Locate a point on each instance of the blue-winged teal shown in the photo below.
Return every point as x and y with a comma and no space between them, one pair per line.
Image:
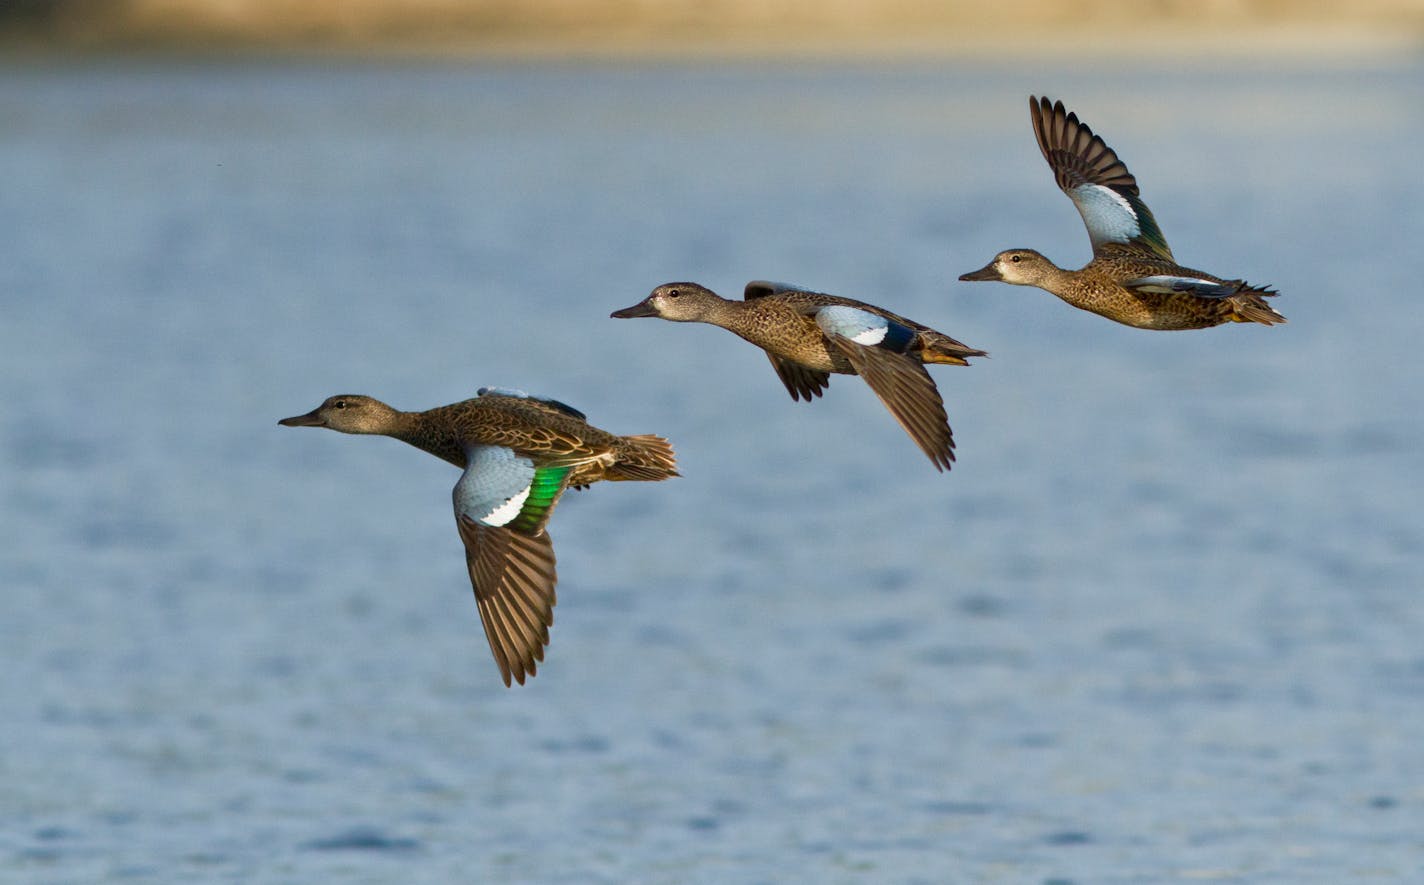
1133,277
808,335
519,454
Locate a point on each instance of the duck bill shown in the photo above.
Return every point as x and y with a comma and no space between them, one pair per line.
310,419
987,272
641,309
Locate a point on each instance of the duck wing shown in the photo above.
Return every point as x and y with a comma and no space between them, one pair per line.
1202,287
546,435
514,393
1097,182
502,504
513,576
876,348
801,382
764,288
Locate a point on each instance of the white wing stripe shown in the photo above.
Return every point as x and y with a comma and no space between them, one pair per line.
506,512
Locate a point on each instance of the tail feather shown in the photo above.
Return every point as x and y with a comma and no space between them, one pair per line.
940,348
1249,305
647,458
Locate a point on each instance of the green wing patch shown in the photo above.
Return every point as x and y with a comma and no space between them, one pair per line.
544,491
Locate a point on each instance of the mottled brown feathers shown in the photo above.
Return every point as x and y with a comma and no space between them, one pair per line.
509,556
786,323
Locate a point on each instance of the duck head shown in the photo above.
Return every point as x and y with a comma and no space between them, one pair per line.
347,413
1021,267
679,302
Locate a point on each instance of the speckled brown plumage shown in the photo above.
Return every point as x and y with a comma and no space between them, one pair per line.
1133,277
511,565
781,320
552,436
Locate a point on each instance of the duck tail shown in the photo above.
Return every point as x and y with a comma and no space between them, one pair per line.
1249,305
647,458
940,348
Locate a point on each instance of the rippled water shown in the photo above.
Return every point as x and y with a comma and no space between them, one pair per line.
1161,622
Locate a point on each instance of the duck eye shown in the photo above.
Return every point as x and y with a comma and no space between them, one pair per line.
340,404
673,293
1015,258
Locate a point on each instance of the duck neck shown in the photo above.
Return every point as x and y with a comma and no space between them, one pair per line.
419,429
734,316
1055,279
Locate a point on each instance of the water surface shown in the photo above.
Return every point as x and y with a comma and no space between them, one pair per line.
1160,623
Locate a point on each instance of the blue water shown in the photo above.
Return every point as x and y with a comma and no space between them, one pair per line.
1161,623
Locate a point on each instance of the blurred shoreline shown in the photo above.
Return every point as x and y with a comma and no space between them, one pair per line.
832,29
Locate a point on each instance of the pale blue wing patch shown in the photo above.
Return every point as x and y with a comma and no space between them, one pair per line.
520,394
863,327
860,326
1109,216
1112,216
494,486
1166,284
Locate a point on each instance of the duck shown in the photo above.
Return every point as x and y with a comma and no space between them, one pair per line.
518,453
1133,278
808,336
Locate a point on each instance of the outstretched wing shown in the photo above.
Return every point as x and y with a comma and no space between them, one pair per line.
1097,182
876,348
502,503
514,577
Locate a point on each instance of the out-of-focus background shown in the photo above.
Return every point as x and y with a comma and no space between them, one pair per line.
677,27
1160,623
